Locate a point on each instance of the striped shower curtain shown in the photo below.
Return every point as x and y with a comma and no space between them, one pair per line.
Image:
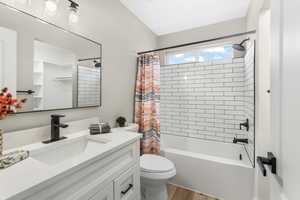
147,102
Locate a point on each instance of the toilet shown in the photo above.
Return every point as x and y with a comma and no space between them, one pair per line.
155,173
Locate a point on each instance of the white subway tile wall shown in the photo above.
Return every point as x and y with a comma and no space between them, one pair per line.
249,99
203,100
88,86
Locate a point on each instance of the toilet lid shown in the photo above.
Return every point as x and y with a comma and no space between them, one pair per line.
155,164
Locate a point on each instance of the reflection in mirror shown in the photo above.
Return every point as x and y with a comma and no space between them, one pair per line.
52,74
88,86
53,68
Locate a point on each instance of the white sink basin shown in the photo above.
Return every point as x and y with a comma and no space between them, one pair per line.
70,148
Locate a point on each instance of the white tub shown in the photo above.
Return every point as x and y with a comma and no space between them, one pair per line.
211,168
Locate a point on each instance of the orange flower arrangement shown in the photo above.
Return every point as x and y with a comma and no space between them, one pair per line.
9,105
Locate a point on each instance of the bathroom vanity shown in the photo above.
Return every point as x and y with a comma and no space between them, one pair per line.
101,167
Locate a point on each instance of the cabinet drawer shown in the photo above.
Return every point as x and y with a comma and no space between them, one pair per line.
106,193
127,186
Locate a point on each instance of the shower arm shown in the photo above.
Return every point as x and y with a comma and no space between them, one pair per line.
245,40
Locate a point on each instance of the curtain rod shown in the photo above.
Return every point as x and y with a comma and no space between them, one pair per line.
198,42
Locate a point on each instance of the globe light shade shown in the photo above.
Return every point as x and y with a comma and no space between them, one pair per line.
51,6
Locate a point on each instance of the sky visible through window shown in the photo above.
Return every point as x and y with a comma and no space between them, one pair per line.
215,53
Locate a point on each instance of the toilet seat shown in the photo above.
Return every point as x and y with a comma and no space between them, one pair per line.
155,164
156,167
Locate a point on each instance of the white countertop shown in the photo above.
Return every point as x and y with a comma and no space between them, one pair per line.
31,172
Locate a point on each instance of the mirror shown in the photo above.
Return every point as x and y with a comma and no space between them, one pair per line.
51,67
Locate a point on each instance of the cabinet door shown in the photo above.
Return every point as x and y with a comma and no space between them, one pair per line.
106,193
127,186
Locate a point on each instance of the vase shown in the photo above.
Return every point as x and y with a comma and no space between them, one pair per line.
1,142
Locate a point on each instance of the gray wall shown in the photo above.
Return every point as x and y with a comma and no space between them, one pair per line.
122,35
203,33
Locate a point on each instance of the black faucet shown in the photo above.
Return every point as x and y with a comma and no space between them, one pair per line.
55,129
236,140
245,124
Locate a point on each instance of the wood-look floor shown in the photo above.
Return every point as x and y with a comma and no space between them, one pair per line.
177,193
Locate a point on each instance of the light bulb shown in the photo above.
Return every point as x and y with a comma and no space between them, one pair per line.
73,17
51,6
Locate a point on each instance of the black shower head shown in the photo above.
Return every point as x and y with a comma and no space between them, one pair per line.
240,47
97,64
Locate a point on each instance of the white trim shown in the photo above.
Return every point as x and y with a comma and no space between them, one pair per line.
276,61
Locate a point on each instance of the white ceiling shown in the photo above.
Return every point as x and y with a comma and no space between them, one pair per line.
168,16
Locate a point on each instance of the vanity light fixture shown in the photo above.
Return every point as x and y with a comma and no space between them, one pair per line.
73,16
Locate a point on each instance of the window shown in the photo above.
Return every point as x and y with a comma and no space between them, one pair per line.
201,55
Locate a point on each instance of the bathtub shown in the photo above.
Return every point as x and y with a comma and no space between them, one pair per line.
220,170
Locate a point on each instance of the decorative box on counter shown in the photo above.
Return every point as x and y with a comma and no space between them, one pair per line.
101,128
